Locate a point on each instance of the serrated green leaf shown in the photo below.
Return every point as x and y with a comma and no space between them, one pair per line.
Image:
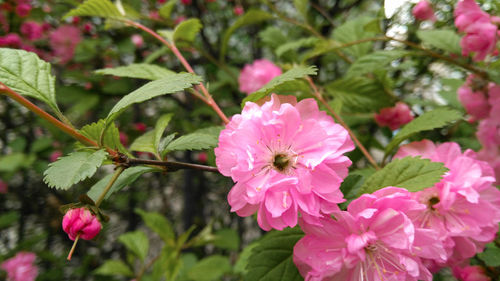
25,73
491,255
136,242
210,268
126,178
96,8
296,44
166,10
272,257
411,173
187,30
353,30
292,74
75,167
171,84
164,142
137,70
250,17
446,40
114,267
160,127
241,264
227,238
430,120
194,141
158,224
374,61
111,136
144,143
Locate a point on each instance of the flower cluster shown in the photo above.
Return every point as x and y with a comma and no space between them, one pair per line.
393,234
480,29
284,157
21,267
255,75
394,117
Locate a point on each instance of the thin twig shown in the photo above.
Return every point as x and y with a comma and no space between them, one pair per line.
117,173
171,165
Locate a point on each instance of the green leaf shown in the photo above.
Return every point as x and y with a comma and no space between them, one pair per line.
8,218
444,39
144,143
227,238
491,255
158,224
354,30
114,267
137,70
374,61
166,10
187,30
25,73
430,120
160,127
301,6
241,264
272,258
73,168
411,173
171,84
210,268
193,141
250,17
136,242
12,162
126,178
292,74
296,44
96,8
111,136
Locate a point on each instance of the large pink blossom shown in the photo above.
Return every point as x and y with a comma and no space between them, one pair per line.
63,42
468,12
284,158
373,240
32,30
21,267
394,117
423,11
470,273
480,38
464,207
80,221
255,75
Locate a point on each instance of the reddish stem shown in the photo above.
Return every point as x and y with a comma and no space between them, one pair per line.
73,247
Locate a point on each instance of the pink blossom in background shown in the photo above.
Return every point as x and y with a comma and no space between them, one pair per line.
284,158
63,42
202,157
31,30
21,267
238,10
186,2
255,75
140,127
137,40
10,40
468,12
123,138
4,188
423,11
480,38
179,19
470,273
81,221
474,99
55,155
23,9
394,117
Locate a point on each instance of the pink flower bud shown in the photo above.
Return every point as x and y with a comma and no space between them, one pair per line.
202,157
179,19
186,2
140,127
470,273
474,100
31,30
87,28
255,75
423,11
21,267
394,117
55,155
4,188
123,138
75,20
137,40
481,38
23,9
154,15
81,221
238,10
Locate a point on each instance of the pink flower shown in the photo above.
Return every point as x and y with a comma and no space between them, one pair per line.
23,9
10,40
4,188
373,240
31,30
423,11
238,10
470,273
140,127
81,221
21,267
55,155
474,99
137,40
202,157
186,2
488,133
63,42
394,117
468,12
123,138
255,75
284,158
481,38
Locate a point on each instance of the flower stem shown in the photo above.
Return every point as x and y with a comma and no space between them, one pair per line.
117,173
73,247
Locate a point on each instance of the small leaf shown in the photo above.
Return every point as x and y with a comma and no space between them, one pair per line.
194,141
446,40
272,257
136,242
158,224
187,30
12,162
25,73
374,61
111,136
354,30
411,173
227,238
75,167
144,143
8,218
171,84
250,17
430,120
114,267
166,10
210,268
137,70
160,127
96,8
127,177
292,74
491,255
296,44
